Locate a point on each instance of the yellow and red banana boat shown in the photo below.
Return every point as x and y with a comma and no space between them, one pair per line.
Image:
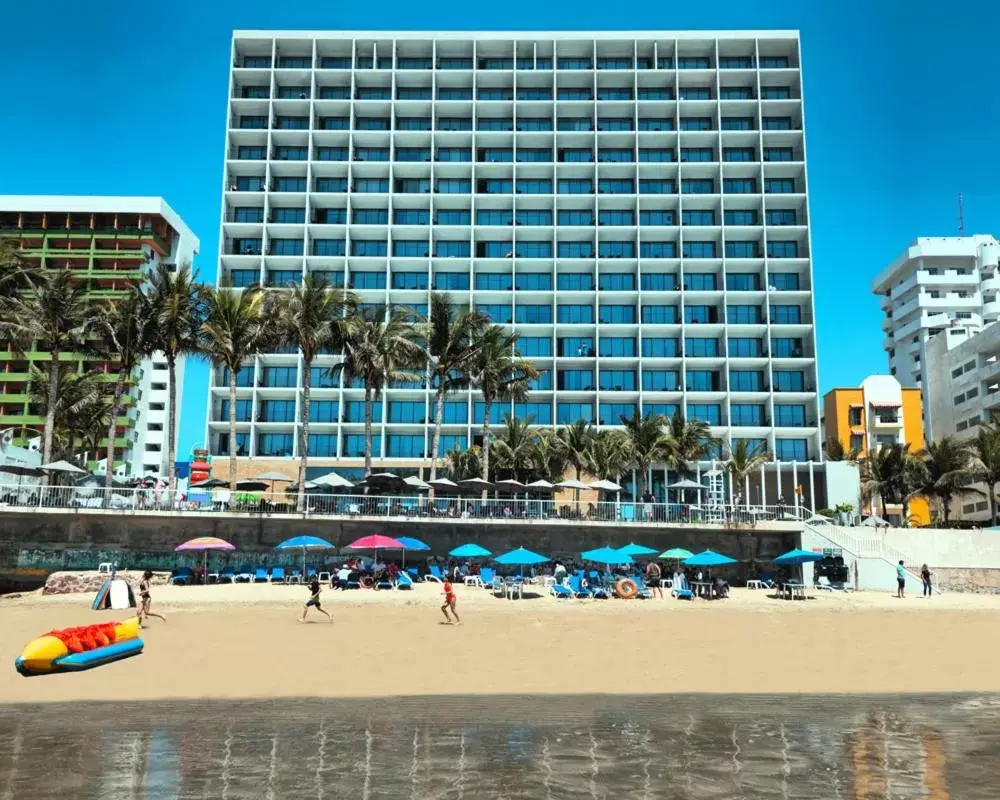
74,649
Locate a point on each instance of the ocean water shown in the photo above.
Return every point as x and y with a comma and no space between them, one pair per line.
508,747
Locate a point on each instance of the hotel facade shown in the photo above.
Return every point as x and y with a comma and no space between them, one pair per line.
634,204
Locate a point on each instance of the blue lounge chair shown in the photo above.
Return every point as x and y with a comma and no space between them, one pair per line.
558,590
486,575
434,574
278,575
244,574
644,591
597,587
681,591
227,574
497,585
384,583
414,573
260,575
577,588
181,576
404,581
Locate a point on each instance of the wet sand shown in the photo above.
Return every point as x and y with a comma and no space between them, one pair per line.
245,642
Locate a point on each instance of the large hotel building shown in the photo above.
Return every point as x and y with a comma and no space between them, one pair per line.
633,204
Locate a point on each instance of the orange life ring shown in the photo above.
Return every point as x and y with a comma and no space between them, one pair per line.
367,582
626,588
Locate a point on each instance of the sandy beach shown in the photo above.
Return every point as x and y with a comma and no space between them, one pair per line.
245,642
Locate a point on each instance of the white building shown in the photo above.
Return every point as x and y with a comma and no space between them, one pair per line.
940,283
111,242
633,203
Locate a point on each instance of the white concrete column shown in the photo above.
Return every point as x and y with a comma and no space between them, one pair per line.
812,488
795,483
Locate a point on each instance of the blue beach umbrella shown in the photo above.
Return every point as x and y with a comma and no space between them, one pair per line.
520,557
470,550
709,558
409,543
606,555
304,543
796,557
633,549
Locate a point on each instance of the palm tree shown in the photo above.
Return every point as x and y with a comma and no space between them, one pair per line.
462,464
690,441
126,333
177,302
237,327
882,475
549,460
649,441
947,473
609,455
313,317
450,351
745,457
835,451
576,441
499,372
515,449
79,397
51,310
379,349
985,461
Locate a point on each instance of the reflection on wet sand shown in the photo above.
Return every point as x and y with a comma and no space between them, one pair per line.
662,747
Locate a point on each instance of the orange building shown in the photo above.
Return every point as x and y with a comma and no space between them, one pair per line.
877,413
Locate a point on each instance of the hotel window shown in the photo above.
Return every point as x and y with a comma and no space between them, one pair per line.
774,62
667,410
373,93
656,154
736,62
534,94
332,154
574,94
323,444
736,124
257,62
701,380
447,249
696,124
697,154
533,281
495,155
248,214
533,155
740,217
286,247
274,444
533,250
784,281
331,184
616,314
697,347
277,411
786,315
497,312
368,247
244,409
656,124
781,217
658,315
244,377
534,186
414,93
406,445
710,413
776,124
448,281
283,277
615,186
779,185
789,416
288,215
242,278
453,413
654,347
489,217
657,186
334,92
658,282
695,93
533,314
738,154
407,411
614,63
660,380
782,249
746,380
697,186
451,185
335,123
453,217
657,249
409,280
616,282
735,93
253,122
742,281
248,153
370,216
328,247
618,380
612,413
742,347
616,347
614,124
575,314
614,218
574,124
746,414
289,185
460,154
779,154
367,280
413,123
494,249
576,218
534,346
533,217
574,281
783,347
494,124
575,155
371,185
700,315
665,218
576,250
454,124
496,63
693,62
543,382
699,250
739,185
354,445
292,123
247,247
656,94
775,92
698,217
573,63
534,124
492,282
568,413
743,315
616,249
614,94
790,381
454,63
279,377
539,413
576,186
741,249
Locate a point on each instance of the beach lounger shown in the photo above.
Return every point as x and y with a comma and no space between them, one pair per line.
227,574
681,591
558,590
414,573
260,575
497,586
244,574
434,574
278,575
404,581
577,588
182,576
486,575
324,577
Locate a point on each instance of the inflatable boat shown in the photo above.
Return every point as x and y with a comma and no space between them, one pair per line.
74,649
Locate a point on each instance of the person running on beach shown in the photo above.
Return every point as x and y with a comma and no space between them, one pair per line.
900,580
314,602
653,576
145,599
449,602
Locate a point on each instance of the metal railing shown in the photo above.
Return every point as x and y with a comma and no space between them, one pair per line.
75,498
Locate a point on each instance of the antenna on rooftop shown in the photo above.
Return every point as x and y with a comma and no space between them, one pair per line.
961,215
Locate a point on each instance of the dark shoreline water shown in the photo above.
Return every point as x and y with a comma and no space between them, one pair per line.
692,746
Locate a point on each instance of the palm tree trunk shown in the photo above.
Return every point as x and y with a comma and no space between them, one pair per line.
436,437
906,513
487,409
946,505
885,514
993,502
300,503
116,402
50,411
232,429
368,429
172,424
643,474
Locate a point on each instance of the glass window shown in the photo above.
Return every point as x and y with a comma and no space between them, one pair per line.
242,278
616,249
494,249
533,281
736,124
700,315
451,217
454,63
746,414
741,249
401,216
693,62
288,215
743,315
657,186
658,250
409,280
257,62
407,411
286,247
656,154
367,280
576,217
494,124
494,282
746,380
247,247
653,347
742,281
738,154
448,249
617,347
322,379
406,445
323,444
371,123
575,314
697,154
658,217
782,347
335,123
534,94
658,282
454,412
454,154
413,123
782,249
613,413
574,94
244,377
533,314
698,217
747,217
283,277
533,217
274,444
495,154
497,312
663,409
531,346
373,93
496,413
414,93
659,315
541,413
791,450
775,92
451,185
655,94
533,249
446,281
354,411
534,186
696,124
323,411
495,186
614,124
743,347
244,408
701,380
371,185
535,124
779,185
576,186
576,250
617,380
334,92
615,217
575,281
616,154
354,445
331,184
568,413
699,249
251,153
735,93
576,154
660,380
454,123
367,247
736,62
281,377
776,124
788,315
616,314
617,282
779,154
248,214
253,122
328,247
289,184
655,124
615,186
781,217
789,381
784,281
277,411
695,93
574,124
789,416
700,347
491,217
739,185
705,412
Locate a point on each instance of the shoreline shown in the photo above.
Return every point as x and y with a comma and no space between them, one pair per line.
243,643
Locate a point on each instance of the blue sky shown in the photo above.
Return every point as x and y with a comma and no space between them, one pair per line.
901,104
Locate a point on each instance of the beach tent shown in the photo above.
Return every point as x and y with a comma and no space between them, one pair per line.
115,593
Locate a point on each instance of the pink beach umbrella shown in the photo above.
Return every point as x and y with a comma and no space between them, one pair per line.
205,543
376,542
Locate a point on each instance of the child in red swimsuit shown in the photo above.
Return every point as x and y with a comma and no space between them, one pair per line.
449,602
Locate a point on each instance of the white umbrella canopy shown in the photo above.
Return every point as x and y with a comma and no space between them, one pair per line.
333,481
415,483
510,485
572,484
271,476
687,484
475,483
606,486
539,486
62,466
443,483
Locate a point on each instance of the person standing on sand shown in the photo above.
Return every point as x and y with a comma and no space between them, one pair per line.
925,576
653,576
146,599
450,602
314,602
900,580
